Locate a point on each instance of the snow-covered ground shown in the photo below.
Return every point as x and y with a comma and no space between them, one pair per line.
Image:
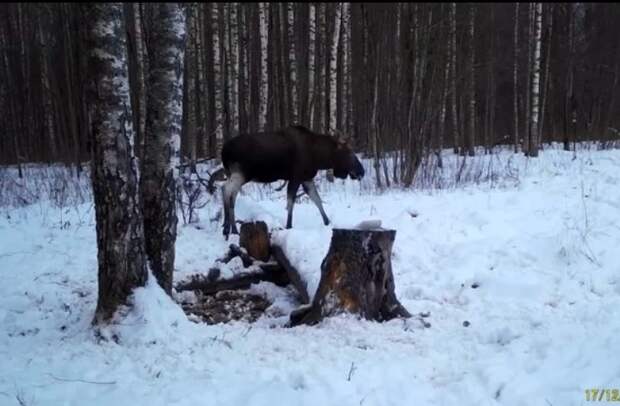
531,262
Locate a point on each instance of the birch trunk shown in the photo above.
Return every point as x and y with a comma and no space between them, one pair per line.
311,62
472,83
515,80
453,95
333,59
444,102
242,98
348,72
346,35
547,79
191,91
120,234
233,76
195,29
294,100
533,144
528,87
263,15
218,125
163,131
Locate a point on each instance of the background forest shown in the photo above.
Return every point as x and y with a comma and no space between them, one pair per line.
402,78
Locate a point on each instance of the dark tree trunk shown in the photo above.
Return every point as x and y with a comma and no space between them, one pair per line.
120,237
356,277
163,110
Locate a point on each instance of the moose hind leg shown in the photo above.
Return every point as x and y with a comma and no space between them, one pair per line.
291,193
310,189
230,190
232,221
226,204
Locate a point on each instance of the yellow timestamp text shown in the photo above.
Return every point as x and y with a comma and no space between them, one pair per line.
603,395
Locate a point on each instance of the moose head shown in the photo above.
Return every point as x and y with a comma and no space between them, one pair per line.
345,161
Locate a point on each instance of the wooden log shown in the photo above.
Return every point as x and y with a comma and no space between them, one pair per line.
208,285
254,237
356,277
233,252
293,274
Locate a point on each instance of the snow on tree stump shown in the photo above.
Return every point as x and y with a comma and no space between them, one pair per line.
254,237
356,277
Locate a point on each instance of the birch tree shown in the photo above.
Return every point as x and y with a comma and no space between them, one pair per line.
444,101
263,16
547,78
311,64
190,89
120,234
472,83
535,91
515,76
294,100
163,130
333,68
217,96
136,61
453,94
233,63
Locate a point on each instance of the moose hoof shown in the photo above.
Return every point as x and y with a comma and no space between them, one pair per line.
326,221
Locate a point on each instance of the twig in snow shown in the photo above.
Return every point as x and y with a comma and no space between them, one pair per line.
82,380
351,370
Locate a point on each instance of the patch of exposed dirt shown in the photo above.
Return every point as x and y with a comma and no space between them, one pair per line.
225,306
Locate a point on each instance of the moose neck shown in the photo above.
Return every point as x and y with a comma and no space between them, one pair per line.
323,150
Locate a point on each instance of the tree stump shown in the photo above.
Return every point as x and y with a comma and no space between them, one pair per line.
254,237
356,277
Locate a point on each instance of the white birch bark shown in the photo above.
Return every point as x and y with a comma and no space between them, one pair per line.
163,135
472,82
311,56
141,56
346,39
455,126
536,81
263,16
233,71
217,79
333,59
515,80
120,233
444,102
528,87
290,16
547,79
201,109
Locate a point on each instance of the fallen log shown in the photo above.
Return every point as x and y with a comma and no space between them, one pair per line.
356,277
293,275
269,272
235,251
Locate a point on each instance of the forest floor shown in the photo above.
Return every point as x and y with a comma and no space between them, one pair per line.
520,275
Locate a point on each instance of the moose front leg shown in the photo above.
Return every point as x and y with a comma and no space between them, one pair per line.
310,189
291,193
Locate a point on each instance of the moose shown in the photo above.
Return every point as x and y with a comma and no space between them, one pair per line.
293,154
